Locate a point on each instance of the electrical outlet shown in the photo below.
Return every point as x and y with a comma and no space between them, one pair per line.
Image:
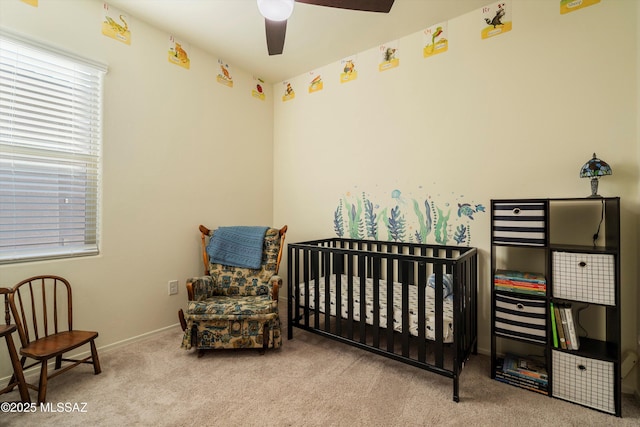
173,287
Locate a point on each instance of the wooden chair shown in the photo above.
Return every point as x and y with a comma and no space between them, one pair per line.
42,309
17,379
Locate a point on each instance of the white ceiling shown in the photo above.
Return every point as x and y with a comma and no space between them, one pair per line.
233,30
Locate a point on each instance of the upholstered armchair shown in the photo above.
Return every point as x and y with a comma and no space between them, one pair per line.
234,306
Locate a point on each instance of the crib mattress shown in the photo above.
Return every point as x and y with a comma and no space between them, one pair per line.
447,304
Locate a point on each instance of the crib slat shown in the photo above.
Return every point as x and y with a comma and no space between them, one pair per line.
326,257
439,314
404,268
307,285
315,269
422,315
376,301
390,290
338,265
350,274
362,267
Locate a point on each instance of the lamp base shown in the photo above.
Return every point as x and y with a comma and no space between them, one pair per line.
594,188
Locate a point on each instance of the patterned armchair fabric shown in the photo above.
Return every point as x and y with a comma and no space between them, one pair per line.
235,307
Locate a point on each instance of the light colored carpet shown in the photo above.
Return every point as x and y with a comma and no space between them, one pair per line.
310,381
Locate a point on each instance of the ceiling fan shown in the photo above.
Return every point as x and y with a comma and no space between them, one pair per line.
276,13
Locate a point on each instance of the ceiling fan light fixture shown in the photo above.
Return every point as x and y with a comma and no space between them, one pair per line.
275,10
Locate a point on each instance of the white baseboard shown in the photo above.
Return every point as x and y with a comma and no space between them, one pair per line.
33,373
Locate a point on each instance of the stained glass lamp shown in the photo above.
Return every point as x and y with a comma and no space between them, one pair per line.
594,169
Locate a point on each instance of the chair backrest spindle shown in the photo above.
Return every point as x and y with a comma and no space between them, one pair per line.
69,308
7,316
45,315
55,307
34,323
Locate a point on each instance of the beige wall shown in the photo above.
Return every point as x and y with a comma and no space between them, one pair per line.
180,150
513,116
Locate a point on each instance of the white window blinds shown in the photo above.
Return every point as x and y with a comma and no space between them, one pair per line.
50,147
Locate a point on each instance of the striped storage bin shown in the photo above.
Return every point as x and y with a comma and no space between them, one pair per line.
521,317
584,277
519,223
588,382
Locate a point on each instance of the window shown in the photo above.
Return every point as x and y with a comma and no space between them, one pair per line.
50,150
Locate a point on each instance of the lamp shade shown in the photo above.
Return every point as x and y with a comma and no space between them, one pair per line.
275,10
594,169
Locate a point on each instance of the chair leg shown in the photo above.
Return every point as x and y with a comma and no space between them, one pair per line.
42,386
265,339
194,336
18,375
58,362
183,322
95,359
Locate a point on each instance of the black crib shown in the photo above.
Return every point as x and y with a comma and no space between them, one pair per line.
343,267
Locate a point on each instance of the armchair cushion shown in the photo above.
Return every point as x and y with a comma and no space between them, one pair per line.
238,307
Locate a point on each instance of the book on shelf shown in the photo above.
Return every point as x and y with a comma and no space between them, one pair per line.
571,328
521,276
519,381
553,325
519,281
560,329
505,378
564,327
519,290
510,282
565,330
525,368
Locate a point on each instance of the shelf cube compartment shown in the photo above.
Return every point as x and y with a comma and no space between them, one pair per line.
521,317
519,223
584,277
588,382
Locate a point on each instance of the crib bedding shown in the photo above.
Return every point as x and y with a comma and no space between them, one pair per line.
447,303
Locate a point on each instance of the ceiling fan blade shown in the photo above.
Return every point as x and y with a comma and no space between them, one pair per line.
275,35
383,6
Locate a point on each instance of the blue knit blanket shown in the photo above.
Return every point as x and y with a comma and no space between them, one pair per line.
239,246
